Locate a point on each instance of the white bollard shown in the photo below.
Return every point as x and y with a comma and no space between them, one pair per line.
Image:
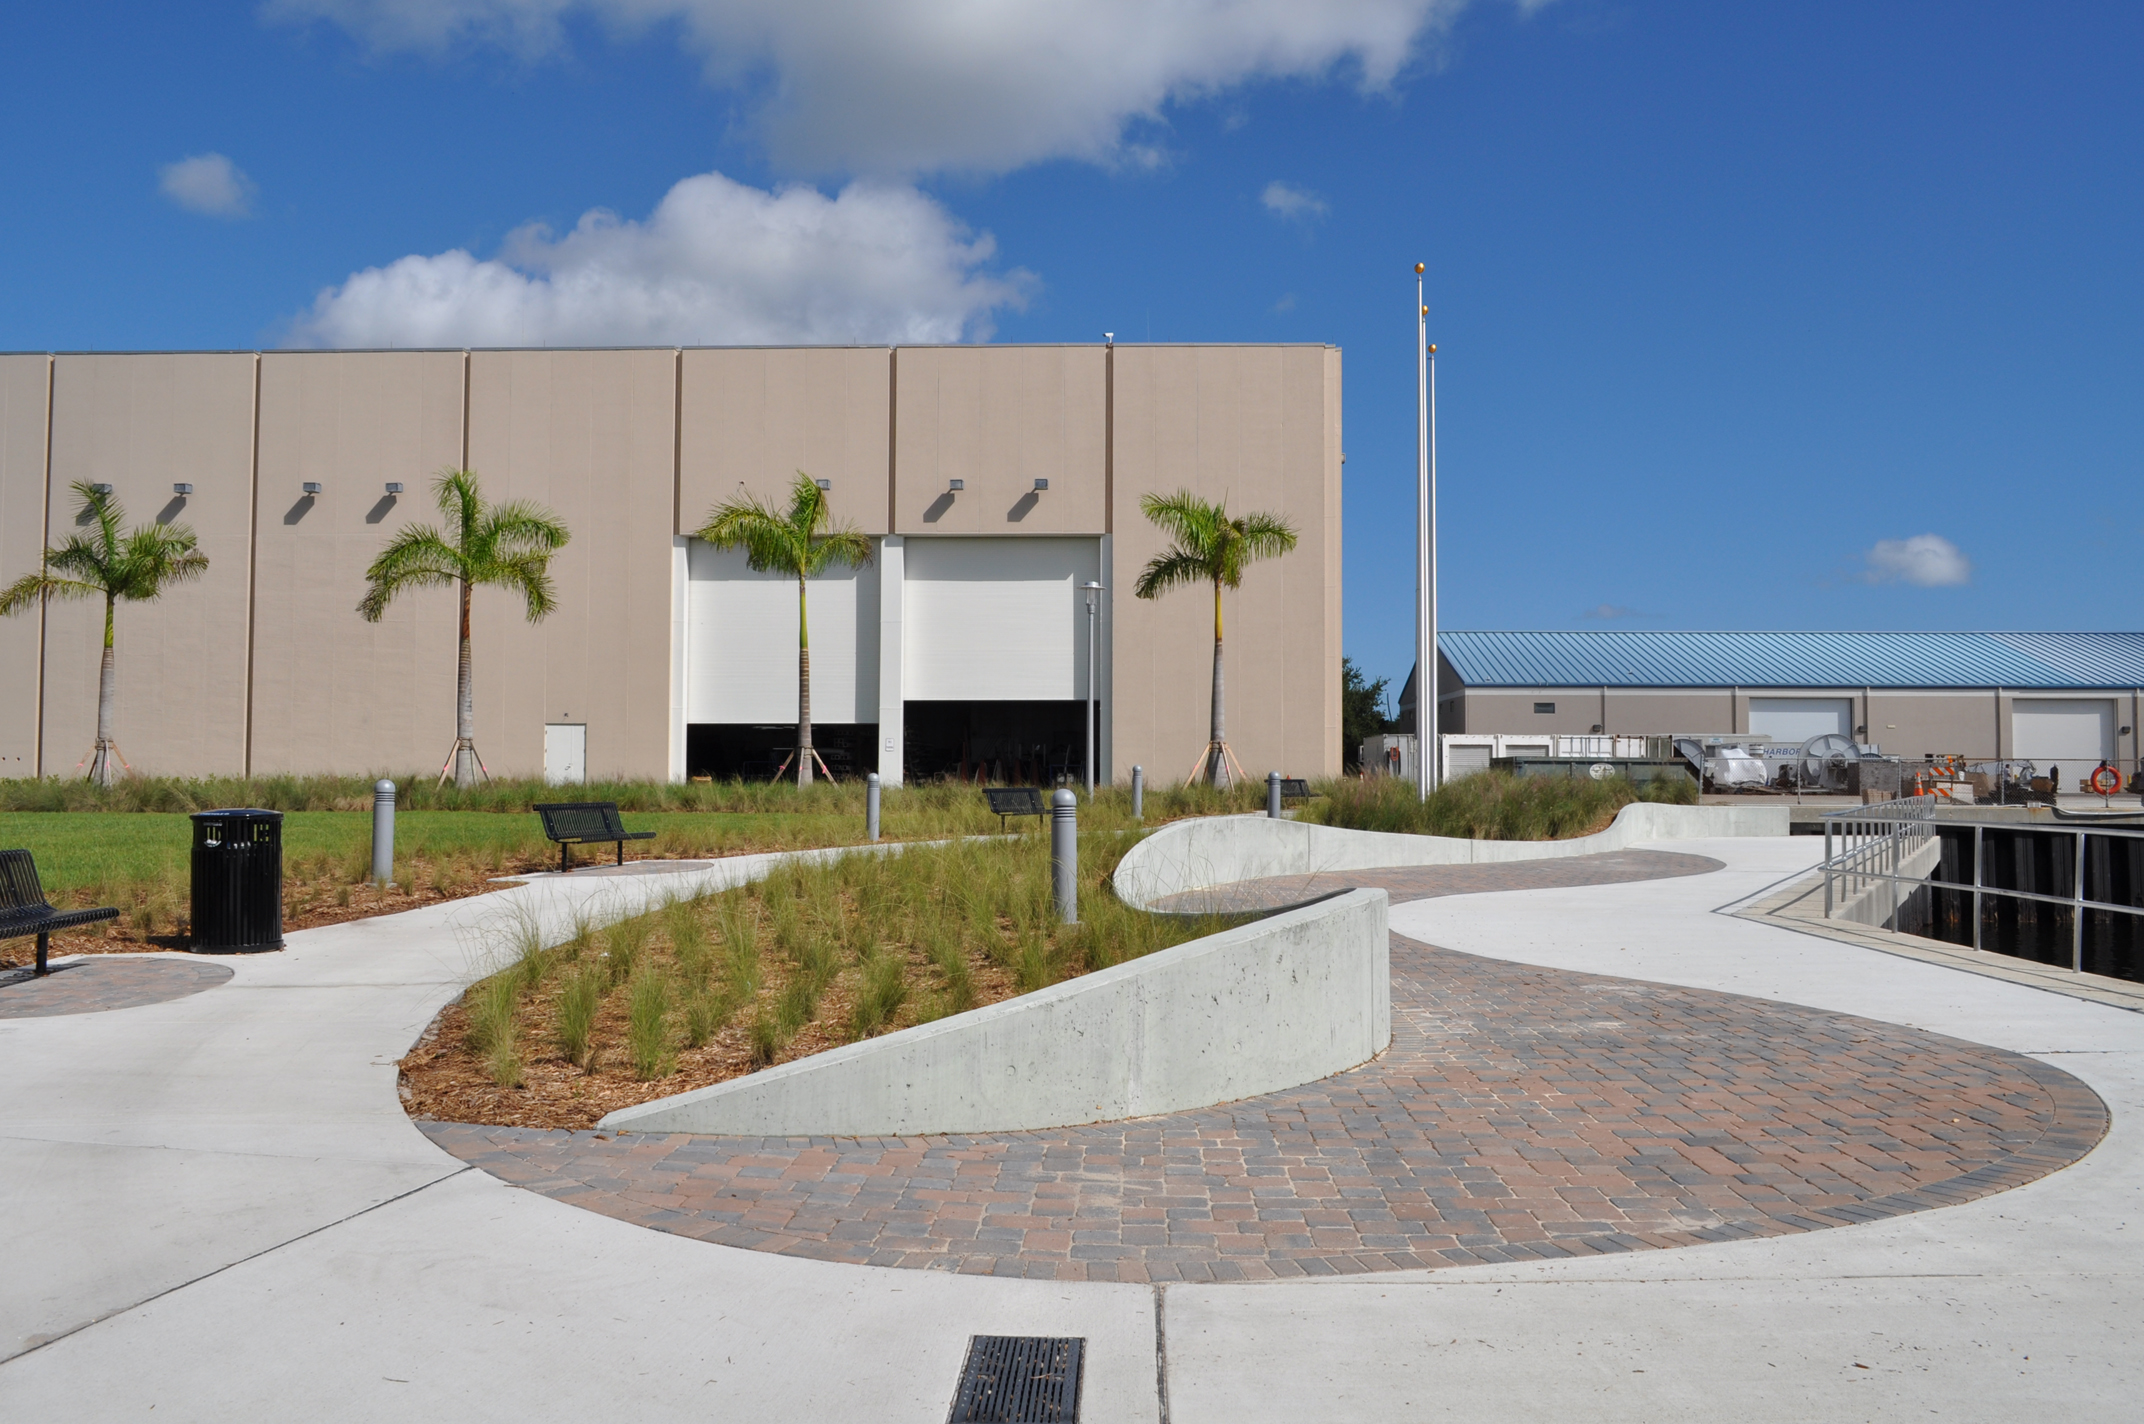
871,807
1064,854
383,832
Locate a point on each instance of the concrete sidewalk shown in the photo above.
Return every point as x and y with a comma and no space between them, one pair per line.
220,1211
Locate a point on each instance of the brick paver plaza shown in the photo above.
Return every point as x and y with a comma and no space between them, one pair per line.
1520,1113
93,984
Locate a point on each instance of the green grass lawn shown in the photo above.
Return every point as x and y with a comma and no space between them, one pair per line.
134,858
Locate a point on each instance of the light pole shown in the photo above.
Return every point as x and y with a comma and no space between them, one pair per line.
1425,620
1093,591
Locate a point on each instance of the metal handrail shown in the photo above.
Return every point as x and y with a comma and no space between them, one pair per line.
1878,839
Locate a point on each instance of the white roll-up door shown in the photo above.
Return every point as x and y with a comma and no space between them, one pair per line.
1797,719
741,642
2055,730
996,620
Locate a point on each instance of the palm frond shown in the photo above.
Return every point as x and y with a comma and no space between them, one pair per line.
1171,570
29,590
518,527
1192,522
104,509
82,559
417,557
1266,535
845,546
528,575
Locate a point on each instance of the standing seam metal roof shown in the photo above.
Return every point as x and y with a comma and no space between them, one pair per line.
1925,660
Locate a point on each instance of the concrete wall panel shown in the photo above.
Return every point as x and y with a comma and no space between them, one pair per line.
1918,723
1257,427
590,435
999,418
753,417
140,423
333,693
22,542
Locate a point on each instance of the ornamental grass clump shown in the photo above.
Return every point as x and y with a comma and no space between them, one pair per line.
648,1024
492,1031
1489,805
579,1001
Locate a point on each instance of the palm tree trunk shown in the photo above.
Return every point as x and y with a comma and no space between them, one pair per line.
464,708
1217,741
100,766
804,752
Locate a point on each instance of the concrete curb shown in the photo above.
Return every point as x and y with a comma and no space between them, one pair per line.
1257,1009
1220,850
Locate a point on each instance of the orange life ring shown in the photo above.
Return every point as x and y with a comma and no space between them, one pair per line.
2106,780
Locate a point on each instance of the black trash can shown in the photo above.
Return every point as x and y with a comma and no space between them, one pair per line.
238,881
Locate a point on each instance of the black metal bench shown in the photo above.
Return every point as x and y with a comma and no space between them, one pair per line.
1008,801
24,911
572,823
1295,788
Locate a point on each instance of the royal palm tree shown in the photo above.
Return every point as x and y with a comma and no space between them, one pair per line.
799,542
136,566
1211,548
505,545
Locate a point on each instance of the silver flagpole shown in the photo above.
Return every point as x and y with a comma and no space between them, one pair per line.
1436,761
1425,573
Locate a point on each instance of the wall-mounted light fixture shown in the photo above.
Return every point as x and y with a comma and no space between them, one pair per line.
2127,730
182,490
102,489
1042,485
956,485
394,487
312,487
824,484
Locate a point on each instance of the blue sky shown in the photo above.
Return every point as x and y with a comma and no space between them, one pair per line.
1736,306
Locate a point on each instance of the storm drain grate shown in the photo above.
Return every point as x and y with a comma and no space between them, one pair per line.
1019,1379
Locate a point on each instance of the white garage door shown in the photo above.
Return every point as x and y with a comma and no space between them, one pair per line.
996,619
741,642
2051,730
1797,719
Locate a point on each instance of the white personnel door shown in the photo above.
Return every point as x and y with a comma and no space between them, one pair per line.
2069,732
565,753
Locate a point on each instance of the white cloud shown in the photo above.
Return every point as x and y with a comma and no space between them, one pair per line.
208,183
1925,560
902,86
716,263
1285,201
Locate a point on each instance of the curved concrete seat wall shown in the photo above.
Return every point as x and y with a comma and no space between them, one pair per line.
1220,850
1256,1009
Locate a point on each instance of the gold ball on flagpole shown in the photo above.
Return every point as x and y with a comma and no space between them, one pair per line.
1418,268
1432,348
1425,311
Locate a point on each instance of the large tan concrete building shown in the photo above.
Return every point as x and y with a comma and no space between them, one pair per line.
993,480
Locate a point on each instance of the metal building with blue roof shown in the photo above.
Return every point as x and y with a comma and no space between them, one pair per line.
2047,697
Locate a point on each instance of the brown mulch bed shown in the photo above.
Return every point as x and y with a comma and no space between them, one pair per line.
304,908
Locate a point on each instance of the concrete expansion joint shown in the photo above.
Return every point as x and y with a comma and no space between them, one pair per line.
39,1342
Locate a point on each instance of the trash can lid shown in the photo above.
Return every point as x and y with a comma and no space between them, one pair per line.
238,814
